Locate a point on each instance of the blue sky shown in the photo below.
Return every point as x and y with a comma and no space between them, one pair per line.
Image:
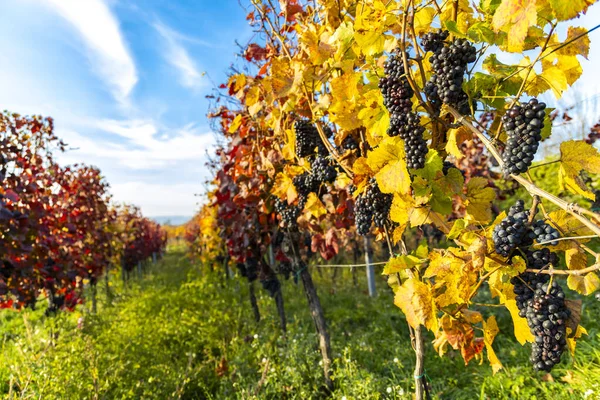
125,81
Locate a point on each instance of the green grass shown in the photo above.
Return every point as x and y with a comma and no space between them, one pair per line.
181,332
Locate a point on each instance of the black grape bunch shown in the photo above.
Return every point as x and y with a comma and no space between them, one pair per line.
308,140
523,126
512,230
543,305
540,301
397,98
515,231
289,213
372,206
449,62
323,170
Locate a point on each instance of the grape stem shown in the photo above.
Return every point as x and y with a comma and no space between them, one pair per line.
573,209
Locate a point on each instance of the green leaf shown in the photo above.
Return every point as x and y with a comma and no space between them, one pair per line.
481,32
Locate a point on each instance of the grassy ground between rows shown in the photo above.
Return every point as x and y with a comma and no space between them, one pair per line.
181,332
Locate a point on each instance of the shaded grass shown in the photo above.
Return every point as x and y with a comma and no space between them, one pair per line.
183,333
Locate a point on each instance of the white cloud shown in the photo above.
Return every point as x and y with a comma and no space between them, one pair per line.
157,199
142,150
178,57
99,29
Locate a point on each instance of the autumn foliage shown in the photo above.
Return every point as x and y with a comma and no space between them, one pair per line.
322,63
59,229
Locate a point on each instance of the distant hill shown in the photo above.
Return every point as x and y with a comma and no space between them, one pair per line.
172,219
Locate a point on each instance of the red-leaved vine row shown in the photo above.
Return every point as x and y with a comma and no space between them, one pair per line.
58,227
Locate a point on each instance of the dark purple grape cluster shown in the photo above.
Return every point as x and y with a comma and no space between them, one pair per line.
322,170
408,127
363,215
397,97
349,143
511,231
542,232
433,41
307,139
306,183
523,126
522,285
289,213
372,206
541,258
543,304
395,88
449,63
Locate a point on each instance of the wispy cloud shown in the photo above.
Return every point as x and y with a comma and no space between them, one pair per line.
144,148
178,57
108,52
159,198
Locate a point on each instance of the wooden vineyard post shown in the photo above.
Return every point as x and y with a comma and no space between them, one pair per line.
370,268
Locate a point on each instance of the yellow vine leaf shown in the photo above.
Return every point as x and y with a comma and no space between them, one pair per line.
490,330
452,271
237,82
584,284
463,16
235,124
572,338
425,215
398,233
500,287
289,149
282,77
342,39
372,21
416,302
577,156
457,136
310,40
479,200
458,228
397,264
314,206
571,67
570,226
374,116
345,93
284,188
515,17
402,207
556,80
423,19
564,10
580,46
387,161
